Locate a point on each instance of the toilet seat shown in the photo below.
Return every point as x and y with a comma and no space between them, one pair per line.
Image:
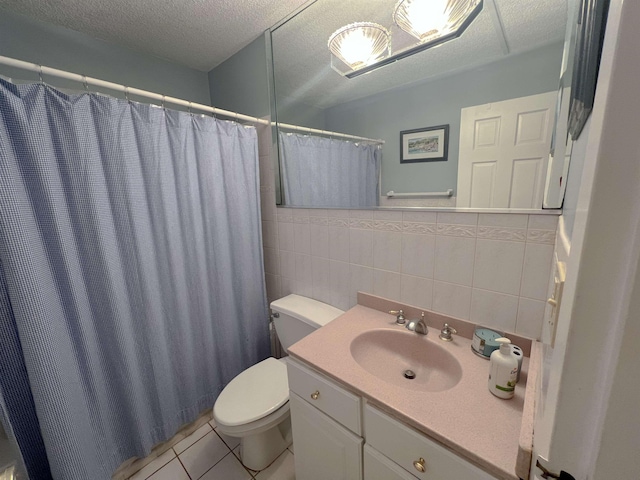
253,394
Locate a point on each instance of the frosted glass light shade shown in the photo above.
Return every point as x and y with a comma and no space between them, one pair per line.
429,19
360,44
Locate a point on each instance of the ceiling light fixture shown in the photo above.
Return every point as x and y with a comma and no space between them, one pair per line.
360,44
427,22
422,18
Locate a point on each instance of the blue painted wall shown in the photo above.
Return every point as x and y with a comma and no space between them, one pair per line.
58,47
240,83
439,102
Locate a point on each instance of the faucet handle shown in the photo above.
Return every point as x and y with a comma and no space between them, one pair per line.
399,316
445,333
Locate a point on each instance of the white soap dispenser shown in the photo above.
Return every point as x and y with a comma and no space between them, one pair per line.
503,370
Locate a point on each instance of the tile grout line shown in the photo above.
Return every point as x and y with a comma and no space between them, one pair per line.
178,454
524,259
237,457
157,470
213,466
473,273
182,465
174,447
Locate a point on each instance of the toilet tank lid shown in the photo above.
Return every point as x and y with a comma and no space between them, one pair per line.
305,309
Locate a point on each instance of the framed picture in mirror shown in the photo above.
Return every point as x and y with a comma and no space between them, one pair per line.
429,144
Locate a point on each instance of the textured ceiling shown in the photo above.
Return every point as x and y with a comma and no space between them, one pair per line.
197,33
302,60
203,33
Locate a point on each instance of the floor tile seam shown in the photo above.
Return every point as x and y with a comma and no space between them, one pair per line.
218,462
284,452
213,430
184,451
183,467
159,468
253,473
174,447
223,441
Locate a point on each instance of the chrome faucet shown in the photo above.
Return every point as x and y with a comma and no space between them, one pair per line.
418,326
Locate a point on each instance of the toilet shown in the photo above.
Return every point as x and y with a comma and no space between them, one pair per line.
254,406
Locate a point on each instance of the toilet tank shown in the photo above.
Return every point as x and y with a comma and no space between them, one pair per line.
298,316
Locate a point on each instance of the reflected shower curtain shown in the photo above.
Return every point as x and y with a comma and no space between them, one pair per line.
324,172
131,273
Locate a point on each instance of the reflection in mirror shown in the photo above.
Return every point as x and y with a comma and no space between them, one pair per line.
495,87
347,176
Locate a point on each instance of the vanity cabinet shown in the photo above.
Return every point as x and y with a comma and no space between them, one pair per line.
329,433
326,426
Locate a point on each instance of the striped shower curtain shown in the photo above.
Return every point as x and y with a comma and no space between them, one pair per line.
131,274
324,172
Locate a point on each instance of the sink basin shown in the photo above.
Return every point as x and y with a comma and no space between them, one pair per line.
388,354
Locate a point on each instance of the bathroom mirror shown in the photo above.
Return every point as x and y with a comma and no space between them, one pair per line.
512,50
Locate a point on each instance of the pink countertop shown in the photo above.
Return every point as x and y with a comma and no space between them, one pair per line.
467,418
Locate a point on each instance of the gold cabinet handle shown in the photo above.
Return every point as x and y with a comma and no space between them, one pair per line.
315,395
419,465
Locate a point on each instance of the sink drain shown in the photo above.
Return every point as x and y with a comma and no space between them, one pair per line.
410,374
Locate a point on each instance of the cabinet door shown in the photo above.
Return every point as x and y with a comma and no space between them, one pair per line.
379,467
323,448
404,446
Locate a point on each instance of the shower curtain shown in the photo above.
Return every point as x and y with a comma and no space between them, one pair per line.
324,172
131,274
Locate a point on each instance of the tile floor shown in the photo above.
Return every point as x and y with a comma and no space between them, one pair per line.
209,455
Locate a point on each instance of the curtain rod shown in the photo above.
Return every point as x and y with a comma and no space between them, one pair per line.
54,72
331,134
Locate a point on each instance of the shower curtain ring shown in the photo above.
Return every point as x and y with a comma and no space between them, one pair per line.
40,74
84,82
190,112
163,102
126,93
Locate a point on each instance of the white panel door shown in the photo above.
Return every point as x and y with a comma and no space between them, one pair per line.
504,150
324,449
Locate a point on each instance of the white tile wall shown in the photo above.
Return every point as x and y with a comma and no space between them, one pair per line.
454,259
416,291
494,309
361,247
494,271
498,265
452,299
488,268
387,250
418,254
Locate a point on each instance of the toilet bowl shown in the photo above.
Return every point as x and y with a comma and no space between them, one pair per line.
254,406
